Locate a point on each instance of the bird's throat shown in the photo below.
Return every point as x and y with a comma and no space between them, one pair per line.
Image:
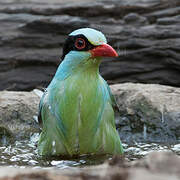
75,63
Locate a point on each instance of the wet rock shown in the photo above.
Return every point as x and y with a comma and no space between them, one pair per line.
146,35
5,135
18,111
150,112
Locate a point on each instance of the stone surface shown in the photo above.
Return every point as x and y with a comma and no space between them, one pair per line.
148,112
146,35
18,111
152,167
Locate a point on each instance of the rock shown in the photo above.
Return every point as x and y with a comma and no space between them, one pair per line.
163,162
133,18
28,173
18,111
141,174
104,172
57,24
148,112
146,35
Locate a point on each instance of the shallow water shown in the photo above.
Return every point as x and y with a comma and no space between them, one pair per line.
24,153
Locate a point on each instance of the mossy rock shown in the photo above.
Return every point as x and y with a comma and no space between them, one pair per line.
6,135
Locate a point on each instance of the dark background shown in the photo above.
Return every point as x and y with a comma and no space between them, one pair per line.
146,35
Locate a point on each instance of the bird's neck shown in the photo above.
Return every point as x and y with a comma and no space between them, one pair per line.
75,63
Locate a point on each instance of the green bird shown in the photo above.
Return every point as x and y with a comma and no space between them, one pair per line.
76,109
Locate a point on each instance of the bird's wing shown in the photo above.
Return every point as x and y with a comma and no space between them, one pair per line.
113,100
50,104
51,121
40,107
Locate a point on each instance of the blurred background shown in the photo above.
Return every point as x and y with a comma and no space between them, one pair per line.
146,34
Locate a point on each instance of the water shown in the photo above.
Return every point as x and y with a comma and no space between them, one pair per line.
23,153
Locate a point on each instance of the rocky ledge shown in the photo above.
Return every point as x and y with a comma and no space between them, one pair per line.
148,113
146,34
156,166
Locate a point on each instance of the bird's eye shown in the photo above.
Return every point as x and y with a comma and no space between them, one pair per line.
80,43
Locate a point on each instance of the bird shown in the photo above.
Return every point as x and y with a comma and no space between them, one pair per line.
76,111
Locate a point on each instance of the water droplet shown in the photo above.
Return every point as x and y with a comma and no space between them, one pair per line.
53,143
145,131
35,118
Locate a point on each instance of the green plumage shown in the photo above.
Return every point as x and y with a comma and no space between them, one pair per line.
77,111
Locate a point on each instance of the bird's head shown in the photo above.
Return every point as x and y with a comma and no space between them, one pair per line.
88,43
83,50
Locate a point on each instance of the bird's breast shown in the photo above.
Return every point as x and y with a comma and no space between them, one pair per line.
81,103
82,100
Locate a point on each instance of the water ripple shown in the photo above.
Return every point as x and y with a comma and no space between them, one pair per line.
24,153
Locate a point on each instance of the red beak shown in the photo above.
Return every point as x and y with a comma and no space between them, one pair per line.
103,50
